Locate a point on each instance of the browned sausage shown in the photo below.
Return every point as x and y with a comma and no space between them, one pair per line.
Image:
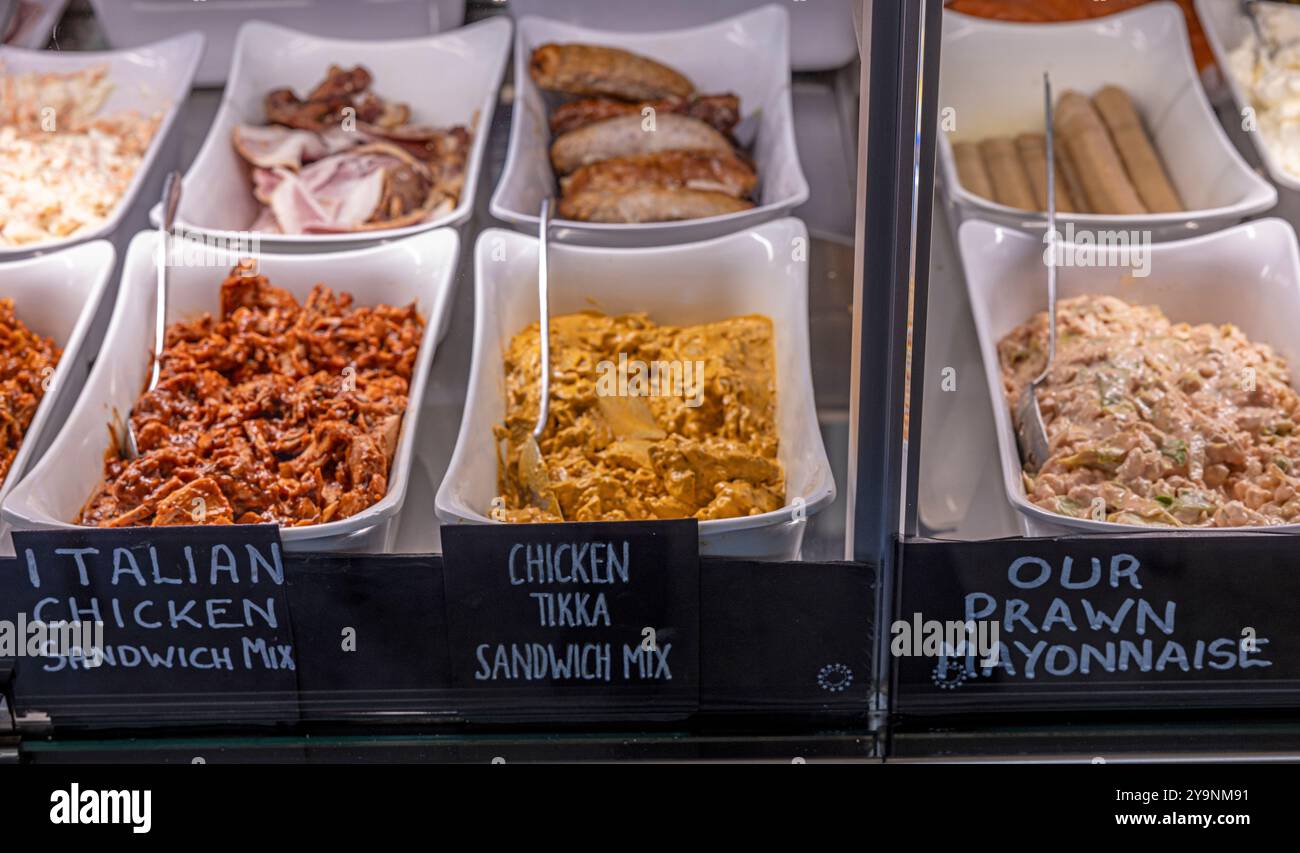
1095,159
648,204
666,169
1032,148
970,169
722,112
626,135
1010,183
588,69
1066,172
1145,169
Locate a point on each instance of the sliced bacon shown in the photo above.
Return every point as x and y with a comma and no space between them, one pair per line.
374,186
275,146
269,146
293,205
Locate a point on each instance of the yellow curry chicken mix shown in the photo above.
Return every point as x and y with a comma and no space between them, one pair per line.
707,448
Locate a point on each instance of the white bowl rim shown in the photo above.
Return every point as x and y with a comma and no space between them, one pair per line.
786,514
72,348
348,239
390,504
1262,197
1220,50
81,59
1011,478
498,209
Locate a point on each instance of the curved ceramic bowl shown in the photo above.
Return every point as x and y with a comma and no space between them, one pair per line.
752,272
992,80
1248,275
420,269
821,33
447,79
748,55
1226,27
152,78
55,295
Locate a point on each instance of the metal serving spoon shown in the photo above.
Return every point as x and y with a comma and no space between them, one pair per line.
171,199
1031,433
532,468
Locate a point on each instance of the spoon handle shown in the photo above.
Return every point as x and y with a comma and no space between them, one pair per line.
543,299
1051,236
171,199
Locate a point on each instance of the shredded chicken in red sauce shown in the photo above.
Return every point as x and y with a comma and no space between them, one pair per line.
1152,422
27,360
273,412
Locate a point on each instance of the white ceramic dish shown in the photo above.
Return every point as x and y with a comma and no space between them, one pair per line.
747,55
420,268
821,32
1248,275
55,295
150,79
418,71
746,273
35,28
992,80
127,23
1225,29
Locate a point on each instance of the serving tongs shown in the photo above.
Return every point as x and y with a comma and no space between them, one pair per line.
1031,433
171,199
532,468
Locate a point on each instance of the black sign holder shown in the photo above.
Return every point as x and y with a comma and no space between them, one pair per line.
394,638
579,621
195,624
1096,623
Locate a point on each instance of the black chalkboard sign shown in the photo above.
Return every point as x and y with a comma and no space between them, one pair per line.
1196,621
785,637
579,621
218,626
371,634
193,623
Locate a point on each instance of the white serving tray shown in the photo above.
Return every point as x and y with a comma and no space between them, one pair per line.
992,80
419,268
821,32
1225,29
1248,275
153,78
128,23
447,79
56,296
747,55
752,272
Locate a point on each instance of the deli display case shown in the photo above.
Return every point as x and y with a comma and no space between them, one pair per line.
499,382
